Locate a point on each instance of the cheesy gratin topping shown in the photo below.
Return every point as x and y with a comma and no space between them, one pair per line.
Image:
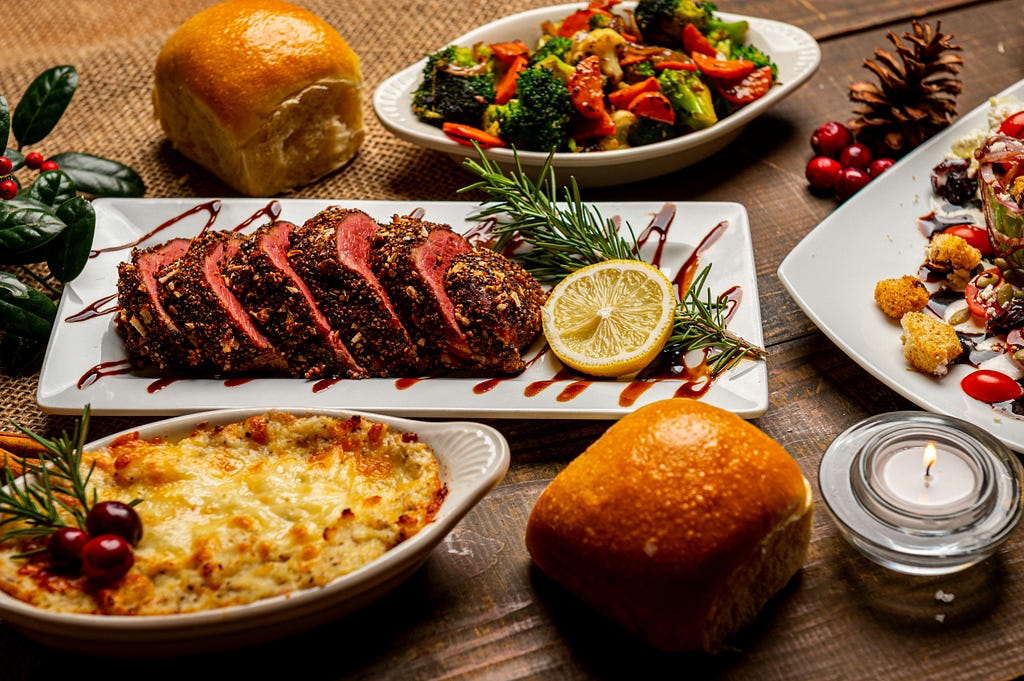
245,511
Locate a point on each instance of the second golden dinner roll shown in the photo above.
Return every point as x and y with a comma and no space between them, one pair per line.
680,522
264,94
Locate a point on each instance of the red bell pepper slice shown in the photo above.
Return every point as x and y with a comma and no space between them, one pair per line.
466,134
579,21
507,52
675,65
695,41
592,128
722,68
506,88
655,106
585,88
740,91
621,98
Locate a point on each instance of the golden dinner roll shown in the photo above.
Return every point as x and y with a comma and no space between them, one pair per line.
680,522
264,94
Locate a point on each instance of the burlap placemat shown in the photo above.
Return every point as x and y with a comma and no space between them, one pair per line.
114,46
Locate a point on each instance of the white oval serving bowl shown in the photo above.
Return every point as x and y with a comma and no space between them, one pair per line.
473,459
795,52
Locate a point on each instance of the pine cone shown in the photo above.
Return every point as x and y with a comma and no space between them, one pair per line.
916,99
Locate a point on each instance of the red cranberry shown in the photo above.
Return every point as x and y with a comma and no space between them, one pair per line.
64,548
6,166
850,181
856,155
49,165
34,160
114,517
879,166
830,139
822,172
8,189
106,558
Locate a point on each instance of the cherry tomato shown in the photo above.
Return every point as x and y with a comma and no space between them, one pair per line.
694,41
1013,125
740,91
978,306
975,236
990,386
722,68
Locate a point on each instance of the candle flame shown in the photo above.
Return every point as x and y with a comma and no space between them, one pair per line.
929,458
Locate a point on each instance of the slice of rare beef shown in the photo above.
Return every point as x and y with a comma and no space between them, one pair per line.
410,257
330,253
194,292
149,333
497,304
272,293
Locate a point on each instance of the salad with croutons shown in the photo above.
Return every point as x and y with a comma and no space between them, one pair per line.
602,78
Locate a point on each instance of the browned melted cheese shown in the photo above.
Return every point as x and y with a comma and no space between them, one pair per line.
237,513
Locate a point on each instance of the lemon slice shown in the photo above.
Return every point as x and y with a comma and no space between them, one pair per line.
610,319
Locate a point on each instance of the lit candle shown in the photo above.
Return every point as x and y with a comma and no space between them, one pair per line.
922,480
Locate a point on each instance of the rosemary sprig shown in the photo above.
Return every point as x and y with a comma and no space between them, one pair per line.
564,238
49,491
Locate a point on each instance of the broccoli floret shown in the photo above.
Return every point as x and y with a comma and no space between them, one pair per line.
555,46
751,53
661,21
648,131
556,66
690,97
539,117
637,71
456,87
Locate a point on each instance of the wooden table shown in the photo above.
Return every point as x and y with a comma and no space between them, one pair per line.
478,609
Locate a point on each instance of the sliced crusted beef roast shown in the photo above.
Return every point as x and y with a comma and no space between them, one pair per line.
197,297
497,304
282,304
410,257
330,252
149,333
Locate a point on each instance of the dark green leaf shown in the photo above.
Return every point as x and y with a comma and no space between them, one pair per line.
11,286
53,188
17,158
19,355
5,122
43,103
67,254
31,316
26,224
100,176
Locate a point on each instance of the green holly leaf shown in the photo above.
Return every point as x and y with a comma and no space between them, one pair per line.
68,253
100,176
30,316
26,224
19,355
52,188
43,103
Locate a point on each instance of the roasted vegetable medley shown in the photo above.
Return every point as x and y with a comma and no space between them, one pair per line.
602,78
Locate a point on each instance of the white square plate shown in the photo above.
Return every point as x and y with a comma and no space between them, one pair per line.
85,360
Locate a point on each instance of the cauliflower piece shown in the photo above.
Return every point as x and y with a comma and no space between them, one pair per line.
952,255
901,295
929,344
603,42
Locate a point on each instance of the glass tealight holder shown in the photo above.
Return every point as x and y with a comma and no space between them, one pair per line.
921,493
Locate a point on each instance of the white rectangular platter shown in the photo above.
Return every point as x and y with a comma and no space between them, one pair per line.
85,360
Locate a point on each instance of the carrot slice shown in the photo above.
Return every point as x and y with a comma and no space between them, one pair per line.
676,65
655,106
506,88
723,68
467,134
585,88
695,41
591,128
507,52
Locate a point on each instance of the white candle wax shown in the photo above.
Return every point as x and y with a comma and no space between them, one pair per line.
949,480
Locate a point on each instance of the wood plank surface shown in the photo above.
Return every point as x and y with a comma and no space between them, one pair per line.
478,609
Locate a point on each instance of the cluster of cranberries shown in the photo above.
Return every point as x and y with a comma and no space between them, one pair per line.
8,185
102,552
841,166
